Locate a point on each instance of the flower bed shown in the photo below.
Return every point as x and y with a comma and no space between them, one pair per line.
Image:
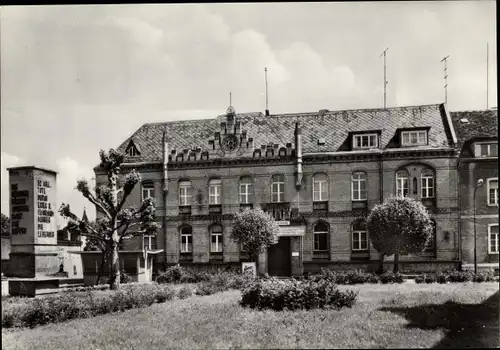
278,294
68,305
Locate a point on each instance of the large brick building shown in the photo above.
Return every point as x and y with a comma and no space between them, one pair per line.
318,173
478,161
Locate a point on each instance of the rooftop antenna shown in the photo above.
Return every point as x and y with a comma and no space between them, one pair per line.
487,74
267,101
445,80
385,79
230,99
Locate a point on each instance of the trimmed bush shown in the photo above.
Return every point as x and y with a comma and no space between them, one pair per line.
419,279
350,277
430,278
441,278
278,294
390,277
460,276
165,293
172,275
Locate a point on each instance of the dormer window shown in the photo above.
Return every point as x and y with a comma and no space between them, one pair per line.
132,150
365,141
489,149
414,138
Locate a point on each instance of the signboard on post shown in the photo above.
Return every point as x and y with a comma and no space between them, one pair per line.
288,231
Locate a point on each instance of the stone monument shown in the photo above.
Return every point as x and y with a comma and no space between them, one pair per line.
33,251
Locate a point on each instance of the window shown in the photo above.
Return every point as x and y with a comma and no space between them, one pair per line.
185,193
149,242
216,239
282,152
359,237
488,149
214,189
493,238
402,183
321,237
278,188
365,141
147,191
186,239
359,186
493,191
132,150
411,138
427,183
246,189
320,188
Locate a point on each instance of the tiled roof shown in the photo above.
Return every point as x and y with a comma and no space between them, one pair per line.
479,124
333,126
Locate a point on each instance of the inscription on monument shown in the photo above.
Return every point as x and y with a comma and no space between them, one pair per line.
19,201
44,209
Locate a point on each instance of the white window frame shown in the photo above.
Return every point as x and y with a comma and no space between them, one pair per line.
478,149
149,188
246,189
132,151
219,241
314,239
488,182
420,137
281,189
400,184
185,247
356,179
214,192
185,193
490,250
319,186
369,138
149,238
358,233
427,191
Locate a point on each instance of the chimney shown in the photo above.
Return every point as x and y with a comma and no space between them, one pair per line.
298,148
267,112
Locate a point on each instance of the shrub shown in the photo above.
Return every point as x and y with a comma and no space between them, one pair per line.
124,277
441,278
185,292
460,276
351,277
430,278
165,293
419,279
293,295
390,277
172,275
479,277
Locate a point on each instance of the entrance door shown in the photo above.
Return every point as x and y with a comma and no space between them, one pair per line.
278,257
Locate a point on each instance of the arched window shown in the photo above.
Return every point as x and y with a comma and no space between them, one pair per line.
186,239
358,186
320,188
216,239
321,231
185,193
402,186
214,191
427,183
246,190
278,188
359,236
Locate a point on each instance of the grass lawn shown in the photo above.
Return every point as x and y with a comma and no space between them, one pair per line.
385,316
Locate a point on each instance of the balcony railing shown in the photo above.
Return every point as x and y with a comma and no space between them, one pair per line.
282,212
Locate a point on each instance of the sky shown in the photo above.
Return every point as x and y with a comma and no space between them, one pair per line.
77,79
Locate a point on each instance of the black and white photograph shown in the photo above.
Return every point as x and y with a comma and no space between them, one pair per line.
275,175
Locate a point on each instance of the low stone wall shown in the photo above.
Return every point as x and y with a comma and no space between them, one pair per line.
31,287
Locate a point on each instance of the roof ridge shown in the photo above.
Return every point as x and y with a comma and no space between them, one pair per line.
201,120
355,110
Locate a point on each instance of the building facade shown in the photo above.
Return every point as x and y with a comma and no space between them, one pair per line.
318,174
478,184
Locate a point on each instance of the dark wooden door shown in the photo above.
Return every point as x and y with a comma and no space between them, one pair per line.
278,257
